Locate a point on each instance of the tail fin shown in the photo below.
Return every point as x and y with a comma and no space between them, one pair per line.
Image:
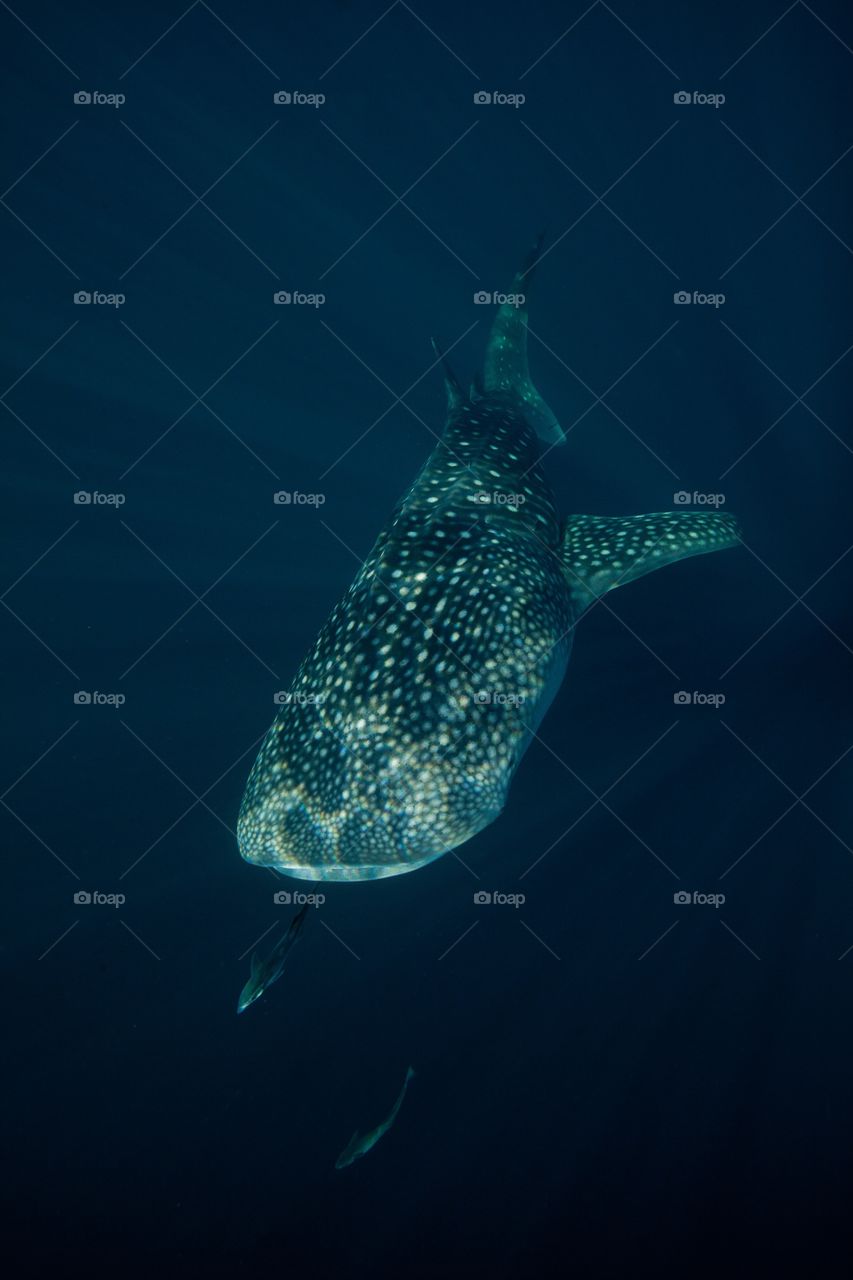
506,354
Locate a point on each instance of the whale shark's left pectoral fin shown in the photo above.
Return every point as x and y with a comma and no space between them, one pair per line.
603,552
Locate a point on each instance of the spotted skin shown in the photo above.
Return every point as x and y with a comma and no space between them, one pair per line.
408,718
604,552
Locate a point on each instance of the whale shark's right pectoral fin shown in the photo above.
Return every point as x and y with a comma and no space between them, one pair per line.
603,552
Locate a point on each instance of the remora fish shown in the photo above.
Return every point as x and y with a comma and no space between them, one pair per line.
360,1144
265,972
408,718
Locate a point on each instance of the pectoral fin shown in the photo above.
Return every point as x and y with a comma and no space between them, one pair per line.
603,552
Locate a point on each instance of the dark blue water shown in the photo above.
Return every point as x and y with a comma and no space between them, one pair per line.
607,1080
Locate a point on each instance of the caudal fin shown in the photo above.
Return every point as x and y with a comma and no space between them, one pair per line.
506,355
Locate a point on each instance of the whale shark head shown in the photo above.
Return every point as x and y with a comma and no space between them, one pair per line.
324,811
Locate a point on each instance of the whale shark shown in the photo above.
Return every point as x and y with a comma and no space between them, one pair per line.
406,721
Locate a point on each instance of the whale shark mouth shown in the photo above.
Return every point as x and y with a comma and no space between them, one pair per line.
365,871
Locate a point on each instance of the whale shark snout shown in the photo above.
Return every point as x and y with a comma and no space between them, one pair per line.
393,821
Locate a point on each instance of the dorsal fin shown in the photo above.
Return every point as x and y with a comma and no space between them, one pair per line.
451,382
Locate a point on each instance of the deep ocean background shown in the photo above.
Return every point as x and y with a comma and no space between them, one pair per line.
607,1081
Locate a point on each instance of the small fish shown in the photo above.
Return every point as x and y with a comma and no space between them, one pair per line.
360,1144
266,972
